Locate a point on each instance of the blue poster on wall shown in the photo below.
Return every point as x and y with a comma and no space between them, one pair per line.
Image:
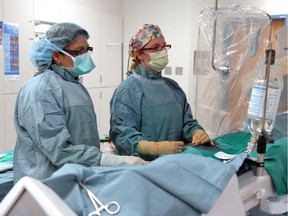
11,50
1,34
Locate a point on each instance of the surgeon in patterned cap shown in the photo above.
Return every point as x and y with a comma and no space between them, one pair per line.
150,115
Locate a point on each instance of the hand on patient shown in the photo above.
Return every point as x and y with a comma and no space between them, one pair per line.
200,137
156,148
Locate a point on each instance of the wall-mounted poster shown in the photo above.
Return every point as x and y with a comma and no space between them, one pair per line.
11,50
1,34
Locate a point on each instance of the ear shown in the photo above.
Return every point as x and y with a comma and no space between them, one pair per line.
139,54
56,57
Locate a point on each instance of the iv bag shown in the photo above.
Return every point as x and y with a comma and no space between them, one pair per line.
255,116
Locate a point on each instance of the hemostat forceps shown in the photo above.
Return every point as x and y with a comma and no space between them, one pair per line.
98,204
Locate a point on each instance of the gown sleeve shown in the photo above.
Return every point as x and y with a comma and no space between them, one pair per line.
125,109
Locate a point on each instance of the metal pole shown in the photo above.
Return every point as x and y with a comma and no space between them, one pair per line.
214,37
260,148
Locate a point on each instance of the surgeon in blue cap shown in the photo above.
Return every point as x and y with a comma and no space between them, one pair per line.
150,115
54,117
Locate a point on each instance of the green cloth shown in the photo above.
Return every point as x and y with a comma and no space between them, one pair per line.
8,158
235,143
276,164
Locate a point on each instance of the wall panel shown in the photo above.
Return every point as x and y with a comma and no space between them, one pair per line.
111,33
104,117
91,20
47,10
2,126
10,132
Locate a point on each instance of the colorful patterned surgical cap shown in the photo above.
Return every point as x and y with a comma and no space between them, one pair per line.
145,34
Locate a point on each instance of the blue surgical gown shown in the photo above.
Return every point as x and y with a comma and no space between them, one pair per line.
56,124
149,107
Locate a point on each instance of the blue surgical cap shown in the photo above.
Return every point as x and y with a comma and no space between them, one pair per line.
57,37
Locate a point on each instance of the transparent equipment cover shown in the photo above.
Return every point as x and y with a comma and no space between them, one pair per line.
231,44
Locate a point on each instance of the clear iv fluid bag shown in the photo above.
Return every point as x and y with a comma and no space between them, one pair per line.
257,99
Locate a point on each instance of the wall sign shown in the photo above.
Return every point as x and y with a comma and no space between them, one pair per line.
11,50
1,34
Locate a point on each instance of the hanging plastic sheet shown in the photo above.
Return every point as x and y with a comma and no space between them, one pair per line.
231,44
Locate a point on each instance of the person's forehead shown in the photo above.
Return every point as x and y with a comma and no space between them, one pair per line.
80,42
158,41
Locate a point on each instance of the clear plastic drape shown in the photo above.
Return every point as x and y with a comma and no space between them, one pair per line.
231,43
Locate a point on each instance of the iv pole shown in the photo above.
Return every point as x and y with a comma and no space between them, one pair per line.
264,136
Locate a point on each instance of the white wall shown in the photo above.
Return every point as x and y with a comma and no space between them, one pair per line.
106,6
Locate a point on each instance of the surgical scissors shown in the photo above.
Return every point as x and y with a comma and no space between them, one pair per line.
98,204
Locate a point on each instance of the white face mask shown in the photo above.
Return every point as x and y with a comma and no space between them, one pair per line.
158,60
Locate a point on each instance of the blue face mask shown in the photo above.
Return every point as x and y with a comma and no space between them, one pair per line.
83,64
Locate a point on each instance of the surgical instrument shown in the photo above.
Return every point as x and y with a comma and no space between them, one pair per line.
98,204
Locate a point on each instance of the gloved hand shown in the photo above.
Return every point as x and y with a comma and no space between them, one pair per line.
156,148
134,160
200,137
114,160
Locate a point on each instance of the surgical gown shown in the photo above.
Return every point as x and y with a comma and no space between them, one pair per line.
55,123
149,107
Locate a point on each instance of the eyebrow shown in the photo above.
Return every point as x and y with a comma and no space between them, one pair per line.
79,47
157,44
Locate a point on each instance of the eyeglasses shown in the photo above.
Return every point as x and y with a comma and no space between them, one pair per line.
158,48
79,52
